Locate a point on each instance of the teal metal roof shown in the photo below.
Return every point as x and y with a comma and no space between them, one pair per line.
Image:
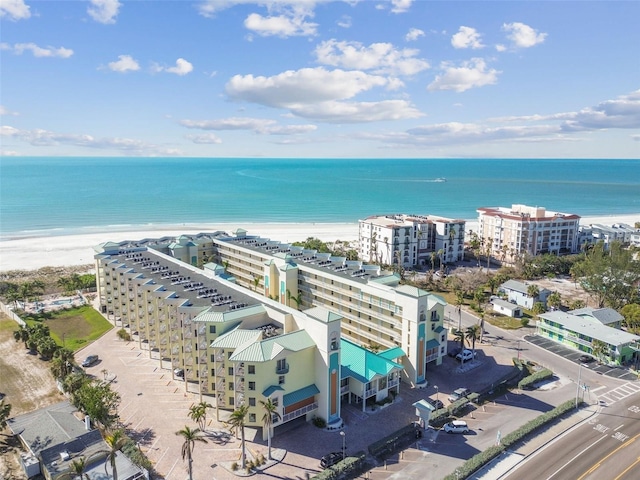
269,390
209,315
270,348
433,343
392,279
392,353
299,395
363,365
439,329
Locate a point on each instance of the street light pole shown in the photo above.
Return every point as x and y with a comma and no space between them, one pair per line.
436,387
344,444
578,384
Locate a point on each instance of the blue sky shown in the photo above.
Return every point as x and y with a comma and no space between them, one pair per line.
316,78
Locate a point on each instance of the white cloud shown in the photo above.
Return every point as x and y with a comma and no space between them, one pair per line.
279,25
256,125
500,48
14,10
414,34
205,138
308,85
379,57
400,6
182,68
104,11
357,112
20,48
623,112
344,22
467,37
523,36
125,63
316,93
5,111
470,74
46,138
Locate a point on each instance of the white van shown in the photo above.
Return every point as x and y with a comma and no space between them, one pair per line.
457,426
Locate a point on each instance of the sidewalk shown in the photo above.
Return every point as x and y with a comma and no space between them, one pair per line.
509,459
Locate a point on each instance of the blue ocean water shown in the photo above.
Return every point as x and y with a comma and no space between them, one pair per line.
55,196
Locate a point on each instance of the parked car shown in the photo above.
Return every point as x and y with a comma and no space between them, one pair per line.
586,359
330,459
453,352
90,360
437,404
466,355
457,426
179,372
459,393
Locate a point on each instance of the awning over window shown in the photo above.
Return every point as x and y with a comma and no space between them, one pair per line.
299,395
269,390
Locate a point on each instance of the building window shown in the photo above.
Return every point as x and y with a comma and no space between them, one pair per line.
252,402
281,380
231,401
212,329
230,370
252,369
231,386
252,385
252,418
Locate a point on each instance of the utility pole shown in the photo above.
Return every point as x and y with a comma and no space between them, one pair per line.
578,384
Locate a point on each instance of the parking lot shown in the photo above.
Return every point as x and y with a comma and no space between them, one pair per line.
154,406
573,355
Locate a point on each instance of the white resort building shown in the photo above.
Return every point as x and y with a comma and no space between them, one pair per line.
260,319
411,240
521,230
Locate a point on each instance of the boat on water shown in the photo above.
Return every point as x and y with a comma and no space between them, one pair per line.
440,180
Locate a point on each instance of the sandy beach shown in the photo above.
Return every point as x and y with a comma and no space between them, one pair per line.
67,250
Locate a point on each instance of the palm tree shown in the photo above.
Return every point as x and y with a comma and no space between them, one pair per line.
115,441
599,349
533,291
190,439
5,411
237,421
474,332
270,410
460,335
554,300
433,260
77,469
198,413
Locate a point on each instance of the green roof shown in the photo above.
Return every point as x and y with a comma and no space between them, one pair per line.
299,395
363,365
236,337
269,390
433,343
392,353
258,350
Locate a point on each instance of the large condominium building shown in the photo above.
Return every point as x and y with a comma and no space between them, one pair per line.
375,310
411,240
519,230
594,233
234,345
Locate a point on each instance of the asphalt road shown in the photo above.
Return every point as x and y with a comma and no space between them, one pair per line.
604,447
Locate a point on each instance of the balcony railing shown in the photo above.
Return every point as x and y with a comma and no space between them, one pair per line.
370,393
393,383
299,412
282,370
344,389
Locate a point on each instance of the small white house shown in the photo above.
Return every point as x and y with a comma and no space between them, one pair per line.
506,308
518,293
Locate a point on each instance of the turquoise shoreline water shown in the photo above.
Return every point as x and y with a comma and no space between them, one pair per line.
42,196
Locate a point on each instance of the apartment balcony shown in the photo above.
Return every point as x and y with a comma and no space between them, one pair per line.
344,389
371,392
203,358
220,357
203,345
239,370
240,387
578,340
393,383
175,350
301,411
282,370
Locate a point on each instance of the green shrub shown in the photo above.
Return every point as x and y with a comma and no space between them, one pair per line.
391,443
524,321
319,422
124,335
528,382
350,467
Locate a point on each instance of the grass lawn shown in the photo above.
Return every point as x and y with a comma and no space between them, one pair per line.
76,326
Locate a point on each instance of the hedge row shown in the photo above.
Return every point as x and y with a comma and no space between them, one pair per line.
390,443
350,467
479,460
529,381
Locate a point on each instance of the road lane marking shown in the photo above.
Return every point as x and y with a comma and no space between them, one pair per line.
596,465
627,469
580,453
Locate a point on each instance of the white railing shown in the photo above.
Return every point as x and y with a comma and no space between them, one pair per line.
344,389
393,383
299,412
370,393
